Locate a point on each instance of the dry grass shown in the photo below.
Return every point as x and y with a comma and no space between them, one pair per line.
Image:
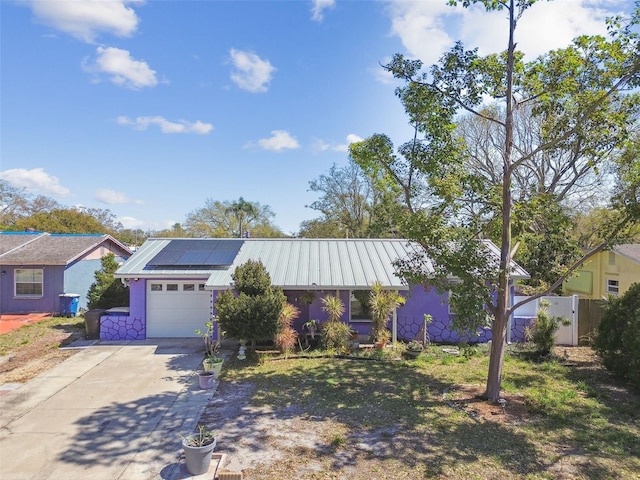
34,348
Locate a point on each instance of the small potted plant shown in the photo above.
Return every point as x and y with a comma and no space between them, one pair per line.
311,326
213,361
198,448
414,348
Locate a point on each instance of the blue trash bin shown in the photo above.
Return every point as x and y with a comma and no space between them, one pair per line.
69,304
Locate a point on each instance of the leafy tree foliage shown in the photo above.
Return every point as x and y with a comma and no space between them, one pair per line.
352,205
134,237
583,102
618,339
107,291
176,231
252,309
17,204
231,219
320,228
62,221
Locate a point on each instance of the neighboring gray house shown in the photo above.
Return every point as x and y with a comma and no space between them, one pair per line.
174,283
36,268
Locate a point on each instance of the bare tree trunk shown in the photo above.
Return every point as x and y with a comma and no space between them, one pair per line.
500,322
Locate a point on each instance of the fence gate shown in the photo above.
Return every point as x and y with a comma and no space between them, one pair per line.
566,307
590,314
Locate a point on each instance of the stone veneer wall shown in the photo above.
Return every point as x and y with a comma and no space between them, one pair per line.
440,331
122,327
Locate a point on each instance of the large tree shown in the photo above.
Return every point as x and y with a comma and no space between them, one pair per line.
352,204
62,220
17,203
232,219
578,97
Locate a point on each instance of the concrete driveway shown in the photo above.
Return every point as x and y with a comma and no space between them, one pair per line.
112,411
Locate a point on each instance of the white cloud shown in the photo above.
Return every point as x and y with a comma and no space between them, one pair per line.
85,19
381,75
317,11
322,146
166,126
428,29
35,181
111,197
279,140
133,223
122,69
251,72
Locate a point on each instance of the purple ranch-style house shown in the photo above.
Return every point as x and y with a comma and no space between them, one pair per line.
40,272
174,284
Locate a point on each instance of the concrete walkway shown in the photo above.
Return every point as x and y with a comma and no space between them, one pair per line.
115,410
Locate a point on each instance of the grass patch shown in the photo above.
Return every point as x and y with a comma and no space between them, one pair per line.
12,341
424,427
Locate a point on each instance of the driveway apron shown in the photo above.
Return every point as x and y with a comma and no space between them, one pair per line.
112,411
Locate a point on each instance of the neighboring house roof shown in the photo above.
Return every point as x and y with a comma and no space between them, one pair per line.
291,263
629,250
50,249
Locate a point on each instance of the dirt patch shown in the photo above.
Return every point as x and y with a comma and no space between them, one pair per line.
467,398
37,350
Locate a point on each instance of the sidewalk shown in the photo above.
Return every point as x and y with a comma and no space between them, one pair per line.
115,410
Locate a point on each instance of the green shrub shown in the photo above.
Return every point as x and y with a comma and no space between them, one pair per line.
286,337
336,336
107,291
252,310
543,331
618,339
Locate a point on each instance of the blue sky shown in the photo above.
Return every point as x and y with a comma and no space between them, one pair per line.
149,108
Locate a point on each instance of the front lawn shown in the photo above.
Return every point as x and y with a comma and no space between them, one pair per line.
321,418
34,348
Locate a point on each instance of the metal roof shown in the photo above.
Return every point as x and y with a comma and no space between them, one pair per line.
629,250
296,262
321,263
50,249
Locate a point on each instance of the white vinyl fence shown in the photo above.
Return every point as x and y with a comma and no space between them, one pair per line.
566,307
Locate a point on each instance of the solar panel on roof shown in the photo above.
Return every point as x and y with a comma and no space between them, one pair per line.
209,252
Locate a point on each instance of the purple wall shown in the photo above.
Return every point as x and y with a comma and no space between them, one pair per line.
53,286
410,316
132,326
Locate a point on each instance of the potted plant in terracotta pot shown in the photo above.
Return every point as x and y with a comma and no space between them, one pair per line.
198,448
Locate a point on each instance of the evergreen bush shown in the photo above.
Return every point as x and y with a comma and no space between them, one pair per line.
251,310
543,331
618,340
107,291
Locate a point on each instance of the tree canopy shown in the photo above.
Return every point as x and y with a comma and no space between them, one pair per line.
231,219
542,129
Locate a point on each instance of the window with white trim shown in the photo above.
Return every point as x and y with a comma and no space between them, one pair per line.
29,282
612,286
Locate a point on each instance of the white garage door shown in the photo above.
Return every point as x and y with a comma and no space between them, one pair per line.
176,309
